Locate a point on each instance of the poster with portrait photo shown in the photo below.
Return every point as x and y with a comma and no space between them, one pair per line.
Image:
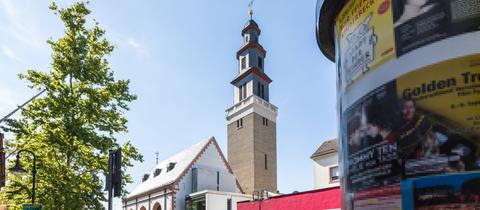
372,147
420,22
439,130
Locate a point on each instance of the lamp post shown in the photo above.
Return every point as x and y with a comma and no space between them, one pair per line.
18,169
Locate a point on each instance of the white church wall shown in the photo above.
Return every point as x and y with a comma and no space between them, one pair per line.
208,165
184,189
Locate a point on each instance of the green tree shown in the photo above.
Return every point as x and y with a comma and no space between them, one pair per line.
73,126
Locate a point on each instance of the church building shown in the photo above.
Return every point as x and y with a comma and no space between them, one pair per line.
198,169
251,125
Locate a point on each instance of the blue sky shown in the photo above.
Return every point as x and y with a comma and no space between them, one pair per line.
180,58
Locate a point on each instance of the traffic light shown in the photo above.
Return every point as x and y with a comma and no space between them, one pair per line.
113,180
114,177
117,173
2,162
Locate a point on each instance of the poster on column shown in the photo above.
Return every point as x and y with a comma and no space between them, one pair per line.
426,122
386,198
457,191
370,33
421,22
365,37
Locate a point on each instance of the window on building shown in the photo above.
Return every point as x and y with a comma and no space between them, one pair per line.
242,92
260,62
157,206
334,174
246,39
145,177
266,166
240,123
258,88
265,122
194,179
157,172
170,166
261,90
229,204
244,63
218,180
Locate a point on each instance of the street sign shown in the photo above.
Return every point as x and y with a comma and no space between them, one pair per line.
29,206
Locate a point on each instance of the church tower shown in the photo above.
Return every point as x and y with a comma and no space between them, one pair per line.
252,146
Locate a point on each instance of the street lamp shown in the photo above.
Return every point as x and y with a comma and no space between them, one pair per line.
18,169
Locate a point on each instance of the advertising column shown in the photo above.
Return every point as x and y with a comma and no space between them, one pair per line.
409,102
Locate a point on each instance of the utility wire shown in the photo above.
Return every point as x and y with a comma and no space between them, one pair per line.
16,110
21,106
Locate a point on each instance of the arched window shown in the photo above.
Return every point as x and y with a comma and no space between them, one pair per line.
143,208
157,206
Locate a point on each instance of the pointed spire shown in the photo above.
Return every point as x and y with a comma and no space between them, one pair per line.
250,10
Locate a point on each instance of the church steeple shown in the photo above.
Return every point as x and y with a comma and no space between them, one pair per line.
252,119
251,57
251,46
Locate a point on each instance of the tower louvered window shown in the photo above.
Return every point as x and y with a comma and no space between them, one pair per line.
244,63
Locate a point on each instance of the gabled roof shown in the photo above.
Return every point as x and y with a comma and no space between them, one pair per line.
182,162
327,147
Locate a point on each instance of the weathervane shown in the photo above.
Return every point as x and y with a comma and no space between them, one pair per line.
250,10
156,153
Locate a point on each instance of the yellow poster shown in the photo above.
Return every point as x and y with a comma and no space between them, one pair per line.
449,92
365,37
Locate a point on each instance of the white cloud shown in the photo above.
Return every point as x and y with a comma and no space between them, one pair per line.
126,43
139,49
10,53
20,24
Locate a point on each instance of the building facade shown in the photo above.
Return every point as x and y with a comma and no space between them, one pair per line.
168,185
251,125
325,165
214,200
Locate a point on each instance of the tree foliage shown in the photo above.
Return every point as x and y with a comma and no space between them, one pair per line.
73,126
